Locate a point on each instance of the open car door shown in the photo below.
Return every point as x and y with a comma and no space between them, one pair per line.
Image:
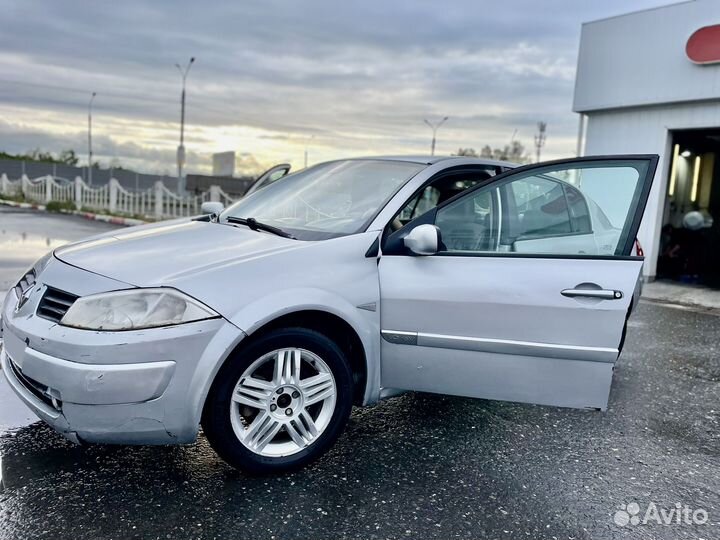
273,174
528,294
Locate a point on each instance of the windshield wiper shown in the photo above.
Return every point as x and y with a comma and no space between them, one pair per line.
256,225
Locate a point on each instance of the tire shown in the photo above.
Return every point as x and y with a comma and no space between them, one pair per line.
232,430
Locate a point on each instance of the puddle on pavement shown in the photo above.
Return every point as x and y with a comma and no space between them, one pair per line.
18,250
13,412
22,245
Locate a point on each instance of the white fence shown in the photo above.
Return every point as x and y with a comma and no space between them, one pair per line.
157,202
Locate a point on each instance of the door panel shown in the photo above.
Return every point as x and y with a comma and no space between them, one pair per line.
470,316
518,305
504,377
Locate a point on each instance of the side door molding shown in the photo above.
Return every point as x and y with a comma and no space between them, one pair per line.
501,346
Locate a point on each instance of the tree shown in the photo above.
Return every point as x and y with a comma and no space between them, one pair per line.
68,157
486,152
467,152
514,152
39,155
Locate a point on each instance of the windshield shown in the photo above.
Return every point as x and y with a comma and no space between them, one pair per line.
327,200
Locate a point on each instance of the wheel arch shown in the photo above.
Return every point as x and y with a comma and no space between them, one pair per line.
332,326
301,307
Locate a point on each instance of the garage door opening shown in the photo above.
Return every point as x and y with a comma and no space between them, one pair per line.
690,240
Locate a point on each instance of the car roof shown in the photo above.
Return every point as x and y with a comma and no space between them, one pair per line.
430,160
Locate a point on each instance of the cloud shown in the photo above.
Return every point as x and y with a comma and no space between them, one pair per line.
276,77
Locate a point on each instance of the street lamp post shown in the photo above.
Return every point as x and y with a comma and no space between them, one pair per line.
181,147
434,128
306,149
540,139
90,138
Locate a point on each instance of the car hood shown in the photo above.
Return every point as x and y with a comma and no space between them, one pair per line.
172,251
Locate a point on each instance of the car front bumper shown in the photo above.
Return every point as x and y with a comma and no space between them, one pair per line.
130,387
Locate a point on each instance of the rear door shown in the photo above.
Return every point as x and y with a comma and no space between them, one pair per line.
526,300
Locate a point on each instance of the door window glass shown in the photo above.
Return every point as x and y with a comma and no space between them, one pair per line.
583,210
440,190
579,213
426,200
541,207
472,223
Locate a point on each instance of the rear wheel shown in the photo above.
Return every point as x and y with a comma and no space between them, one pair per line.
279,403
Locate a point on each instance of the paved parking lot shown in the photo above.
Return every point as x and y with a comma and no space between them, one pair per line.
416,466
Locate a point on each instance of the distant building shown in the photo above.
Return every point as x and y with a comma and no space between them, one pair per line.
224,164
649,82
235,187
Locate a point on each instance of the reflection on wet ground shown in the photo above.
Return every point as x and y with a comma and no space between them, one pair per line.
13,413
19,248
414,466
26,235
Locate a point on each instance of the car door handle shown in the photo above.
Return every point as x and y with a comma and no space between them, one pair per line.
603,294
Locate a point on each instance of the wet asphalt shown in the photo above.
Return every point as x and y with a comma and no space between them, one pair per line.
26,235
416,466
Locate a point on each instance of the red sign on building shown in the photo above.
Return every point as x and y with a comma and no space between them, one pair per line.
703,47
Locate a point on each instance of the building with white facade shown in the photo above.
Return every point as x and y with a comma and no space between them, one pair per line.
649,82
223,163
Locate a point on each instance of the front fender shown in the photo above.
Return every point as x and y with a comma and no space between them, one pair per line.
366,323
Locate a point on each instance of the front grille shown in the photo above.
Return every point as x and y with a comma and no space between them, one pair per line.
37,389
54,304
27,281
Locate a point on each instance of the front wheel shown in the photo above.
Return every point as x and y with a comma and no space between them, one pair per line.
280,403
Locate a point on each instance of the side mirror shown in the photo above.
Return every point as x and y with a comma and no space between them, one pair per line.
423,240
211,208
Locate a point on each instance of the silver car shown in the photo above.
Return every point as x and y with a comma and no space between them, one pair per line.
339,285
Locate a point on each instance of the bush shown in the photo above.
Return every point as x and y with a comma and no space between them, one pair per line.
60,206
17,197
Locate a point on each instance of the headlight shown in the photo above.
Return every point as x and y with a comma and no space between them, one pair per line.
135,308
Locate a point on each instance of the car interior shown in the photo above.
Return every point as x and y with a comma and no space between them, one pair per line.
440,190
525,210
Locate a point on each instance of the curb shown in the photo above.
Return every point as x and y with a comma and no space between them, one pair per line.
106,218
16,204
677,304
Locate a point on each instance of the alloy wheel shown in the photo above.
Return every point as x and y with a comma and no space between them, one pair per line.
283,402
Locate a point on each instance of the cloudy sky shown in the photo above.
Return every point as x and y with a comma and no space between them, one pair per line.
275,77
